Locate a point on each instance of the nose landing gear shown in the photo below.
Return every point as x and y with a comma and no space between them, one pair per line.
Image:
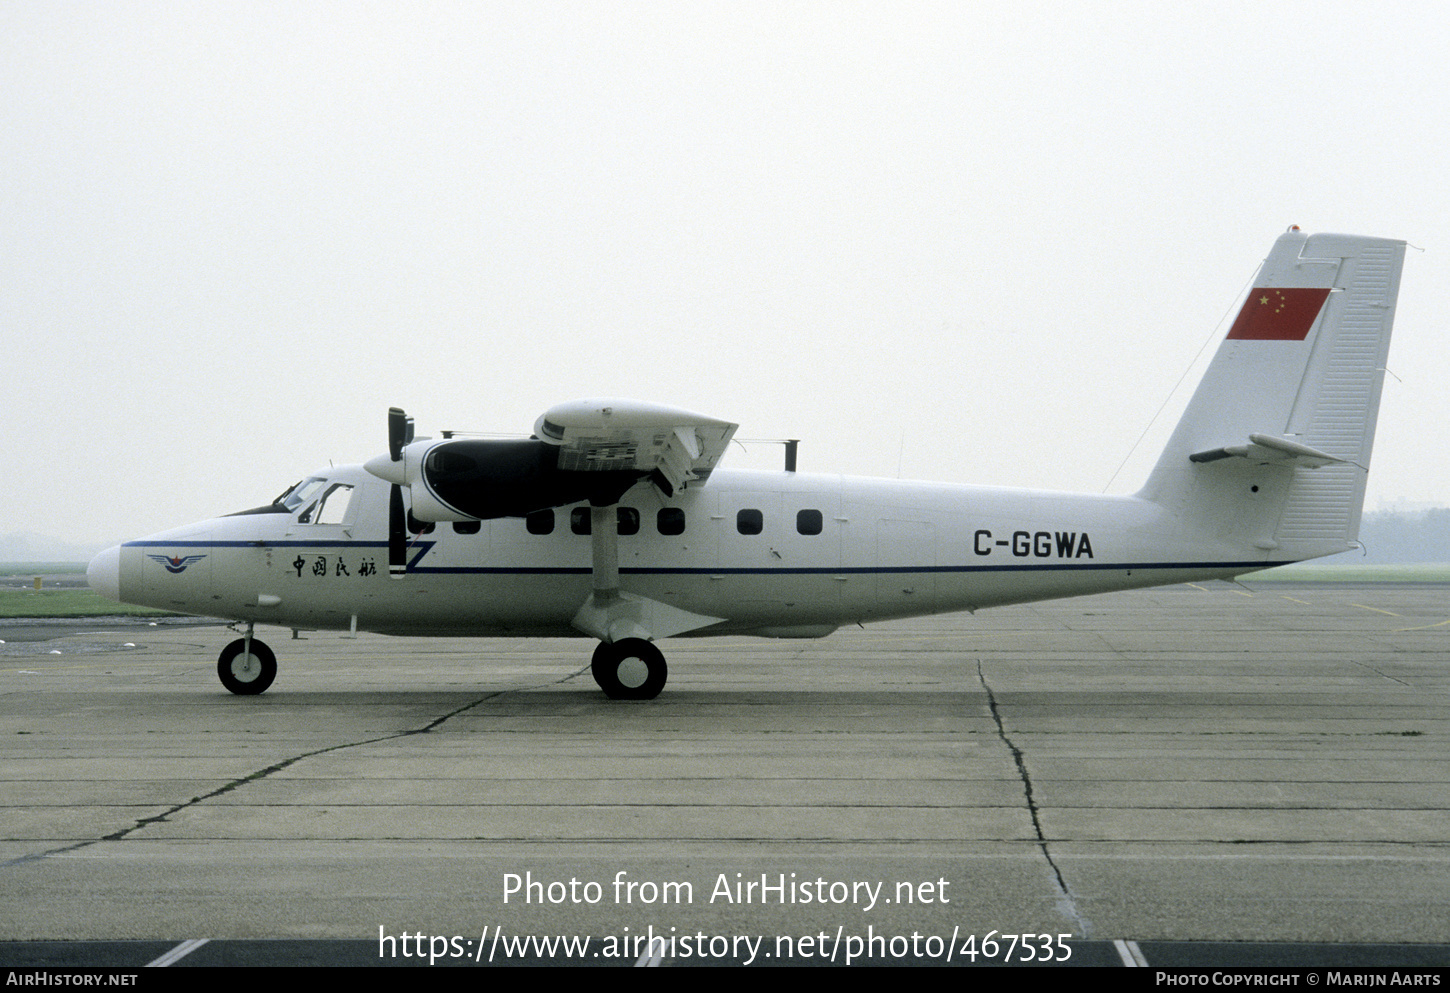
247,666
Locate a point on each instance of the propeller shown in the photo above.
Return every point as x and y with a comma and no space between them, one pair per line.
400,434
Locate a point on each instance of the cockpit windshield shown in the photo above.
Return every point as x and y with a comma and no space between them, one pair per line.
300,493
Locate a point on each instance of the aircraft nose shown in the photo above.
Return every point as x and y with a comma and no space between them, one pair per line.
104,573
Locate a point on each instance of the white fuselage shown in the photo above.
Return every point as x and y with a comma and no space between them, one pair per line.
880,549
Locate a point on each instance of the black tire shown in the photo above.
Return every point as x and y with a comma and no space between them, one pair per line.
246,675
629,669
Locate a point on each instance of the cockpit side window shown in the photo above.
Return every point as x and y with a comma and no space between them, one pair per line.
332,509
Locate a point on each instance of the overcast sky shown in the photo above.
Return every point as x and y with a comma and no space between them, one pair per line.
976,243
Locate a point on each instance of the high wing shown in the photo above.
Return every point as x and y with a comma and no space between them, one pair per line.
590,450
673,447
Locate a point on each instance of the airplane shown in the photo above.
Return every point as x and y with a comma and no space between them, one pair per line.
614,521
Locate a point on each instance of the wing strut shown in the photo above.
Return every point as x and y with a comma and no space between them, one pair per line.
610,614
604,532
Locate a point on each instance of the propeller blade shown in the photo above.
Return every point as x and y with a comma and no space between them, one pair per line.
400,432
397,535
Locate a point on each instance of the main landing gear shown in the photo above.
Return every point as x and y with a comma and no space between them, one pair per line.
629,669
247,666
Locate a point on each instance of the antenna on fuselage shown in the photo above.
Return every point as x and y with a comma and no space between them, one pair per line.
792,445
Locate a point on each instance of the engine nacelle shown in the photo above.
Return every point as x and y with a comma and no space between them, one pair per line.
481,479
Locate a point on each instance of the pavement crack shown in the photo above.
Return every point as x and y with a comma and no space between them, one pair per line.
437,722
1378,672
265,772
1067,903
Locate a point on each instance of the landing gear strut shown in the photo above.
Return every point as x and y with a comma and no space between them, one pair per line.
247,666
629,669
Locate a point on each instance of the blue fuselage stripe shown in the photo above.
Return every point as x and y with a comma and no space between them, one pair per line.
723,570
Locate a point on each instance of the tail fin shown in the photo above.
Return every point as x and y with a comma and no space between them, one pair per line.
1270,459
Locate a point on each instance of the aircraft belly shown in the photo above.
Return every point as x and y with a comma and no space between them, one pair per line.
757,599
525,603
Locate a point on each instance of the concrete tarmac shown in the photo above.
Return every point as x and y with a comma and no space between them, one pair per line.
1198,763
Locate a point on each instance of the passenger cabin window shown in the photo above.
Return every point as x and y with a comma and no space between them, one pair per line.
416,526
467,527
808,521
670,520
540,522
750,522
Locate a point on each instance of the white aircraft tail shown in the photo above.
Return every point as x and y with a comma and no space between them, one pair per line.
1270,459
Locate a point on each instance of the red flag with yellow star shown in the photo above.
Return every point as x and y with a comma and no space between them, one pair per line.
1278,313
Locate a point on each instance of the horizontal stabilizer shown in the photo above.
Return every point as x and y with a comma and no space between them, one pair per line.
1269,450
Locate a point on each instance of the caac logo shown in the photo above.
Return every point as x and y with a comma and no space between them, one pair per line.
178,564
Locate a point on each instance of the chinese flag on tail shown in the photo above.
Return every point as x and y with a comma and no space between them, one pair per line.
1278,313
